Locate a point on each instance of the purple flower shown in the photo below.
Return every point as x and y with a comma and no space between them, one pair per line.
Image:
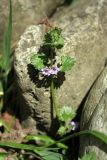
75,125
54,70
45,71
50,71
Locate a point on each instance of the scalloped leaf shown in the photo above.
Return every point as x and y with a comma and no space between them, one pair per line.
66,113
62,130
67,63
53,38
37,61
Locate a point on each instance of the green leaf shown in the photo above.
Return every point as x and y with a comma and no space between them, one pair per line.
61,145
37,61
46,140
7,42
66,114
53,38
67,63
19,146
101,136
3,155
27,147
90,156
43,153
49,155
62,130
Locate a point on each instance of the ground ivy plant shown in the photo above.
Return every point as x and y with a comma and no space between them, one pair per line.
48,67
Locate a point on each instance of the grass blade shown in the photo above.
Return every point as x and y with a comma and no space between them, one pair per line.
6,42
18,146
101,136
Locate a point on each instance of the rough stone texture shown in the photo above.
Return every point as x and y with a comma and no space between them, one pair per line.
85,35
94,117
25,13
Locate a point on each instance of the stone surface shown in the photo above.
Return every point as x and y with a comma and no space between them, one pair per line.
25,13
94,117
85,35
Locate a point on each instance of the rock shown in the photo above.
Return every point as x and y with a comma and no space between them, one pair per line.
94,117
84,30
25,13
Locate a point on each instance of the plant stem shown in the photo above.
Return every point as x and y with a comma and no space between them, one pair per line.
52,86
53,97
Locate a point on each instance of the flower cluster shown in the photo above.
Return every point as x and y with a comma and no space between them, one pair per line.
50,71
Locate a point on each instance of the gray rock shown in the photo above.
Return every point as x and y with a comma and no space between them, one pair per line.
25,13
94,117
84,30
